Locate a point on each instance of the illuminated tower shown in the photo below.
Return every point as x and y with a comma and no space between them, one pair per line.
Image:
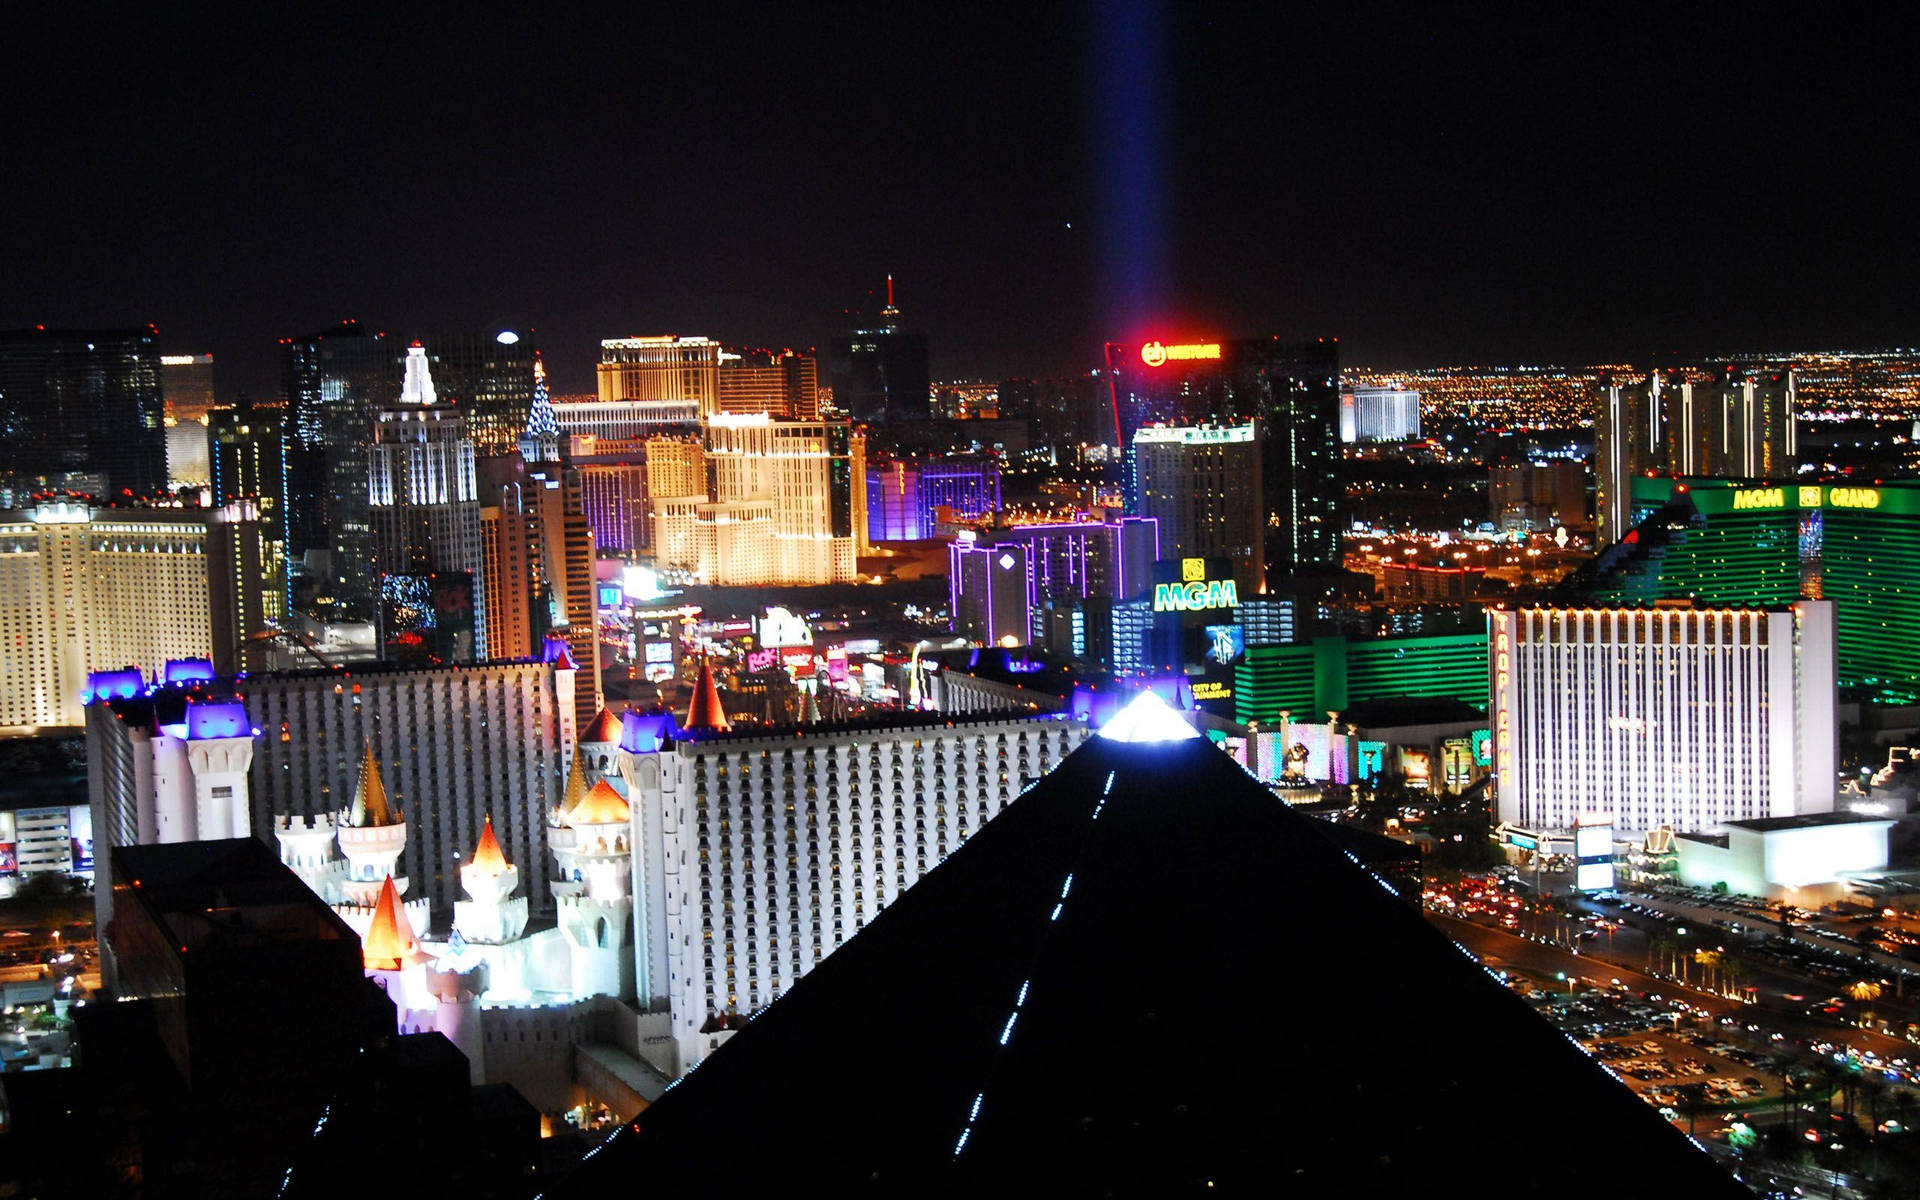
491,914
372,835
600,746
425,517
456,981
595,894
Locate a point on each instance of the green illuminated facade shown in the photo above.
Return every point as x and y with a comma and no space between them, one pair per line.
1750,544
1330,673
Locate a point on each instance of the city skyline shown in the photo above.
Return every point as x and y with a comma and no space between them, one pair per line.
1451,188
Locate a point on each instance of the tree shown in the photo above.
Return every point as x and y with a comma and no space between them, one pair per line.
1866,991
1693,1102
1708,960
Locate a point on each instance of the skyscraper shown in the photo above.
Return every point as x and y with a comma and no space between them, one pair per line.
1683,717
809,833
332,383
1730,426
783,505
186,384
489,376
547,499
84,590
879,373
783,383
83,401
902,497
424,507
247,462
646,382
1291,389
1203,485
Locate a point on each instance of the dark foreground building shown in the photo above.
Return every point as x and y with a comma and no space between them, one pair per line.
1146,977
247,1055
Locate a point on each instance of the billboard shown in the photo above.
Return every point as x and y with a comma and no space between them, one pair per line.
1226,644
1593,853
80,829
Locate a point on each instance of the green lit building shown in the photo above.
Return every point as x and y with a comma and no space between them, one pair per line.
1332,673
1759,544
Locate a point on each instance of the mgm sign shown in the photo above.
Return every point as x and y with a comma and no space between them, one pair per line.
1195,592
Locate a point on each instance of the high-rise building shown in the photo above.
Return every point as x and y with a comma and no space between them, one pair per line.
992,590
1729,543
613,492
879,373
1063,562
780,503
84,590
247,464
903,498
424,510
1730,426
510,574
332,384
780,383
763,851
85,401
1688,718
186,384
1379,414
1203,485
647,382
1290,389
1311,678
490,378
564,599
335,383
1538,494
453,744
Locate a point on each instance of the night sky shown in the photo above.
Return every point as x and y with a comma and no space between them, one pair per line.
1433,186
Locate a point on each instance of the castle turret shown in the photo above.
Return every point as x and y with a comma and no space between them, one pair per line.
372,837
597,917
391,953
307,847
491,914
457,980
600,744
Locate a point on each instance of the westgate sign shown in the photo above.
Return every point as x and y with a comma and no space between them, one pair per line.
1159,354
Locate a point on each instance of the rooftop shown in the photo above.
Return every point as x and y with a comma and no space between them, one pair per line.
223,895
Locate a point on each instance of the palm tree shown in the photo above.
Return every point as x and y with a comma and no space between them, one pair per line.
1793,1087
1693,1102
1905,1103
1781,1067
1873,1090
1866,991
1708,960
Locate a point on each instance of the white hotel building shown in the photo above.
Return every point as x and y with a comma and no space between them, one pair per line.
1687,717
760,853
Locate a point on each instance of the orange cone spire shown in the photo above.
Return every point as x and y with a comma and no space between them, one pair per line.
487,855
706,711
389,943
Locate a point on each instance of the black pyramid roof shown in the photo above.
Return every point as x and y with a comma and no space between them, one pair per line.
1147,977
